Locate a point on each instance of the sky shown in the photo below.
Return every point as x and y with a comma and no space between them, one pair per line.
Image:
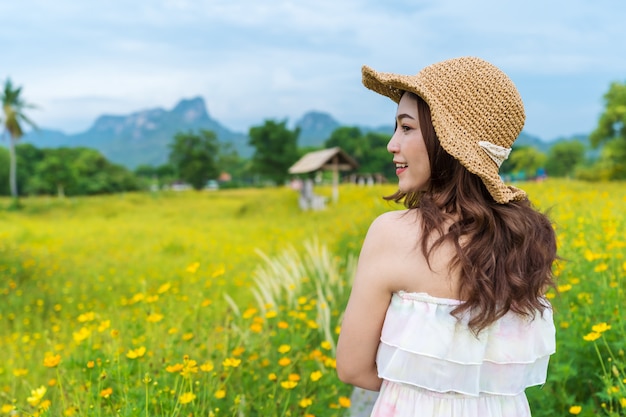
253,60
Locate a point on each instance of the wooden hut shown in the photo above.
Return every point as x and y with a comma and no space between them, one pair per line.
332,159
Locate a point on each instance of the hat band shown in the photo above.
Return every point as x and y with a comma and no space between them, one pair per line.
495,152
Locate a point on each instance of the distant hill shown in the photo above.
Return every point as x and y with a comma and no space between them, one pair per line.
143,137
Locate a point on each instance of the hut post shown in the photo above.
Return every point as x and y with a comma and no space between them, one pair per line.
336,178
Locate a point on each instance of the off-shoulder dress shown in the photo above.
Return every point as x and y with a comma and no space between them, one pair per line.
433,365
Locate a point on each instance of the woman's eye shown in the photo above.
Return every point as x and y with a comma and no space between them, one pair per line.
405,128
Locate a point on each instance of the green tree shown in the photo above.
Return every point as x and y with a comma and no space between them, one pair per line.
194,157
369,150
611,131
13,107
54,172
564,157
4,171
527,160
276,149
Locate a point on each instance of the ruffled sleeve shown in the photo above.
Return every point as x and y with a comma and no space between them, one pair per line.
423,345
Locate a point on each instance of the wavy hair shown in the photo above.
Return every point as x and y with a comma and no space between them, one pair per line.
504,252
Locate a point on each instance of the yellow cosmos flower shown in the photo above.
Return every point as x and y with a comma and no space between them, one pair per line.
36,395
249,313
271,314
193,267
174,368
7,408
85,317
256,328
284,348
81,335
207,366
283,325
564,287
344,402
284,361
272,376
601,327
238,351
316,375
187,397
51,361
601,267
187,337
220,393
106,393
136,353
326,345
294,377
154,317
20,372
289,384
305,402
590,337
231,362
104,324
575,409
164,288
190,367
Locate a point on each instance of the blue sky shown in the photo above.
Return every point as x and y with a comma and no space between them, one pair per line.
252,59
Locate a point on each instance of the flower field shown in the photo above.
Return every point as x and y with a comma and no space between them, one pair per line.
228,303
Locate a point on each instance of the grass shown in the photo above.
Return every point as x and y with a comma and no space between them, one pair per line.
228,303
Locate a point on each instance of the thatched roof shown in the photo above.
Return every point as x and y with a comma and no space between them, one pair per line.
333,158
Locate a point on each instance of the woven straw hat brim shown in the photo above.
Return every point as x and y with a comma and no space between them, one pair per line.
459,136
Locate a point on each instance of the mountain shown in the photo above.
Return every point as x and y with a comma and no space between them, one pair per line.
142,137
315,128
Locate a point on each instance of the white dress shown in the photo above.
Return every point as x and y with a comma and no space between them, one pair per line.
433,365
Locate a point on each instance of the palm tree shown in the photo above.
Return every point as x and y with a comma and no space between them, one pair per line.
13,107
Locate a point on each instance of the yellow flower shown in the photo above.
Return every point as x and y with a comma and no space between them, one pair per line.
284,348
7,408
136,353
187,397
36,395
45,404
174,368
81,335
316,375
51,361
154,317
326,345
104,324
191,367
622,402
283,325
187,337
575,409
238,351
601,327
271,314
106,393
284,361
591,336
85,317
344,402
564,287
220,393
305,402
288,384
294,377
164,288
91,364
20,371
256,328
249,313
207,366
272,376
192,268
232,362
601,267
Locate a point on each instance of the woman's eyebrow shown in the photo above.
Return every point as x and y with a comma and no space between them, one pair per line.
404,115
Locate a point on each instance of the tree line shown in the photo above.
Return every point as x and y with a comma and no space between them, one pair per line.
197,157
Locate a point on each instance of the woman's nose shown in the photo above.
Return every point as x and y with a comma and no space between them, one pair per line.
392,145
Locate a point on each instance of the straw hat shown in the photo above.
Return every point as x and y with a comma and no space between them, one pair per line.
476,111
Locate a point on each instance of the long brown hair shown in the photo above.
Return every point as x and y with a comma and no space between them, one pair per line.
504,252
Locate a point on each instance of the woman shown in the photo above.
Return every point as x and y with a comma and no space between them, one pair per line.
447,315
